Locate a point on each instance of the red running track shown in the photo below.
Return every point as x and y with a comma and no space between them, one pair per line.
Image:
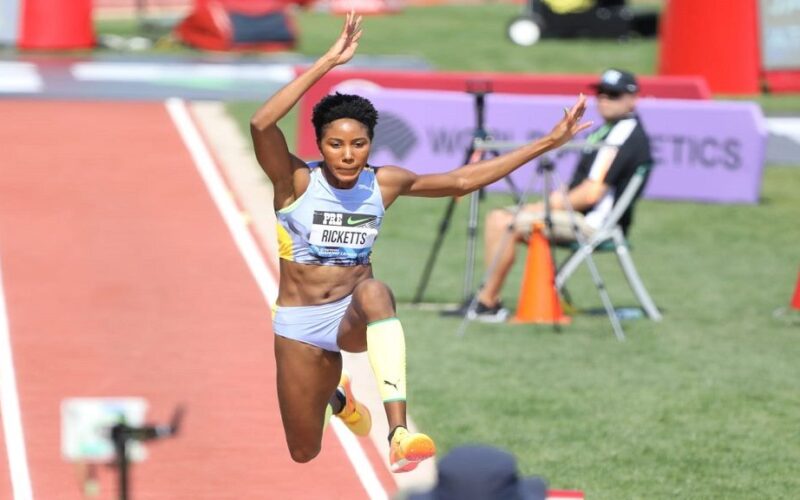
121,279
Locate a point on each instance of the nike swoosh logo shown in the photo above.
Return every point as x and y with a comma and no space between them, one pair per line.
352,221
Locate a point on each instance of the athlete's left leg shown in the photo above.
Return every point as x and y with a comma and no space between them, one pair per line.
370,324
306,378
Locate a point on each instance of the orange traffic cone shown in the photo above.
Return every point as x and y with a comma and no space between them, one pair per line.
538,299
795,303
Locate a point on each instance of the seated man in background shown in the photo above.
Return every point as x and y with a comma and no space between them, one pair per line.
600,177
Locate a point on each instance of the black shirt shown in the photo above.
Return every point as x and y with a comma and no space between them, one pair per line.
627,146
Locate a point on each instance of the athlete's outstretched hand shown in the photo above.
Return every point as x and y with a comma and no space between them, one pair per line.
571,124
345,46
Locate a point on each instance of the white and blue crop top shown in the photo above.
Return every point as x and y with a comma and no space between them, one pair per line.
329,226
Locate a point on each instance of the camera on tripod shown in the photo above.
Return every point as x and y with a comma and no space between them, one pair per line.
474,153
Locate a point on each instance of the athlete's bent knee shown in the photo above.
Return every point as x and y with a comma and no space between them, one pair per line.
304,454
372,290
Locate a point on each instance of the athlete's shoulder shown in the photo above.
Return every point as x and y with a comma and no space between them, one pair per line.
394,176
391,171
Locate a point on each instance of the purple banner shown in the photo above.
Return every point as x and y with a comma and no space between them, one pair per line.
708,151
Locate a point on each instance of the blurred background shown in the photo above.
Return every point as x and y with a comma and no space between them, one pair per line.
138,253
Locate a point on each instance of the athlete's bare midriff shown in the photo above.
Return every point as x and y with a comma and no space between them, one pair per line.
308,284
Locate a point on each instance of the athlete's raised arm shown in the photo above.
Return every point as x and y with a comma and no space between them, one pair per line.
398,181
269,142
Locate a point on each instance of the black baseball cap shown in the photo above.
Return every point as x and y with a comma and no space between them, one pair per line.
617,81
480,472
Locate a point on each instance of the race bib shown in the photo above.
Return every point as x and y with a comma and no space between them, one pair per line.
342,234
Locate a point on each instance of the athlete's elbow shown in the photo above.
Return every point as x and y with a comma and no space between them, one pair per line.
260,123
464,186
257,126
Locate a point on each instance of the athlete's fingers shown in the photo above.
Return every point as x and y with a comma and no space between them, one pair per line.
580,107
583,126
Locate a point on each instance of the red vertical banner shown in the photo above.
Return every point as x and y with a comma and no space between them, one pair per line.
714,39
56,24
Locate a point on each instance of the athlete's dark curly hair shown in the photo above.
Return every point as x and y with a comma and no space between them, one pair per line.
335,106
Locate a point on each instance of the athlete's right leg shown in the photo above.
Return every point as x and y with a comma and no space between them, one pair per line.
370,324
307,376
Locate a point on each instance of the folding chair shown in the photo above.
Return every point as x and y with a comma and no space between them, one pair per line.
611,237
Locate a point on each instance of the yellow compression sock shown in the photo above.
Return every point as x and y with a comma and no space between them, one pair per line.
386,348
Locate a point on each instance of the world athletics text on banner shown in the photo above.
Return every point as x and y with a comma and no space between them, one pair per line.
707,151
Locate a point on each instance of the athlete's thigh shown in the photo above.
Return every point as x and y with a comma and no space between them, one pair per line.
307,377
352,336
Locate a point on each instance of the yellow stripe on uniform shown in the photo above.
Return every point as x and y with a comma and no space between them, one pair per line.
284,243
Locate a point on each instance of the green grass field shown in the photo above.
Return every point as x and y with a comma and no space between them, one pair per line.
473,38
703,405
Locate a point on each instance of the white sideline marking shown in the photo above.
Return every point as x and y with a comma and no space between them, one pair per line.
789,127
153,72
219,193
359,459
20,77
9,407
255,261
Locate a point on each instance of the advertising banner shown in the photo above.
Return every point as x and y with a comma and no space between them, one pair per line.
706,151
670,87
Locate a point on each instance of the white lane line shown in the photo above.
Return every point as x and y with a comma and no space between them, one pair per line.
219,193
255,261
20,77
154,72
359,459
789,127
9,407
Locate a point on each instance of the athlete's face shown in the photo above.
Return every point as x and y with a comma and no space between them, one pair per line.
345,148
613,106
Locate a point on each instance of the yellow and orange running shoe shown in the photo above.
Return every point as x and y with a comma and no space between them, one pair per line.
354,415
407,450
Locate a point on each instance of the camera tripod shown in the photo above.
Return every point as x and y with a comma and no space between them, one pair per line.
479,89
122,433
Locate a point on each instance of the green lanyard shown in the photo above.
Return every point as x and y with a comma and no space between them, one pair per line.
598,134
